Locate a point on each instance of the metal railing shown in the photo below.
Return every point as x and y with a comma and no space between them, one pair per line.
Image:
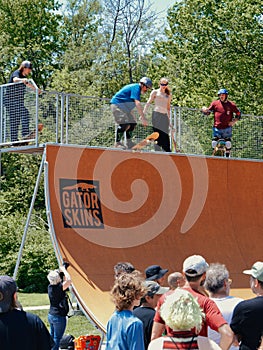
82,120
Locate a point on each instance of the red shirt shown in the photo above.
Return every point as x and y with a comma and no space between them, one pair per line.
223,113
213,317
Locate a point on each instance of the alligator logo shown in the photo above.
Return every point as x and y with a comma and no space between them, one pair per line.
82,186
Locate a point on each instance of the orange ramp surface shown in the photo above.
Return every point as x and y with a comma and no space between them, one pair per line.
106,206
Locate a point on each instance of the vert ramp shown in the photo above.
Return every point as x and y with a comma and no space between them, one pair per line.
106,206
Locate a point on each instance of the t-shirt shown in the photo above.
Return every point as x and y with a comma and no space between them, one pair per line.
146,315
202,343
226,305
24,331
125,97
15,93
56,296
213,316
223,113
124,332
247,322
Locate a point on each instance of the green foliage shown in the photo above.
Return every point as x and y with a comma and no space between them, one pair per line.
210,45
19,173
30,29
38,254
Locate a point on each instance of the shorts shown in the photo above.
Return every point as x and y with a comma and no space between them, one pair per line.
222,133
121,116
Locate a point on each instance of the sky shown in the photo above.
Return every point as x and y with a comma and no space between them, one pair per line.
161,5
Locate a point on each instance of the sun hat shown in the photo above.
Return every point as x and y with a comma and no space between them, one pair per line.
8,288
195,265
256,271
154,272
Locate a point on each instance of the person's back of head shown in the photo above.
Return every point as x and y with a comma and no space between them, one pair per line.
176,279
194,268
256,272
127,288
153,292
217,279
123,267
8,288
155,273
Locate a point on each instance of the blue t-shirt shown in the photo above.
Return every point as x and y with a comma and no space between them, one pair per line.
126,96
124,332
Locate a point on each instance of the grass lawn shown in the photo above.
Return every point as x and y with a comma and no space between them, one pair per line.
77,325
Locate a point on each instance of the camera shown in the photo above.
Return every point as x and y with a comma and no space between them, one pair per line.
66,265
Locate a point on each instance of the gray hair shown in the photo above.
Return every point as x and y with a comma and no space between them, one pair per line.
216,275
54,277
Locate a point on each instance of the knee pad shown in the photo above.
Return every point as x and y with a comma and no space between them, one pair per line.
228,144
214,143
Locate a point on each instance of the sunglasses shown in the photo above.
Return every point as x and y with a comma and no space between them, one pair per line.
163,84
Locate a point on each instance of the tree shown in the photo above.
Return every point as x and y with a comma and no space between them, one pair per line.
214,44
30,29
82,41
129,27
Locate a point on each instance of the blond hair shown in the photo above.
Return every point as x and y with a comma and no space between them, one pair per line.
165,81
127,288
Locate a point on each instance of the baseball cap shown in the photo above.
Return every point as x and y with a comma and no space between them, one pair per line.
154,272
154,288
7,289
195,265
256,271
27,64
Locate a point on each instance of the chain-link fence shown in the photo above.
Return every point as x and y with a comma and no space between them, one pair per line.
81,120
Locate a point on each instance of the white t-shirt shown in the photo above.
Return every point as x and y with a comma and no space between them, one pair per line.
226,305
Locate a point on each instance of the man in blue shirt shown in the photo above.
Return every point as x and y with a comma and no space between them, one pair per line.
122,104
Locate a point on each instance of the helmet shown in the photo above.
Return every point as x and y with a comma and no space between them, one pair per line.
26,64
147,82
222,91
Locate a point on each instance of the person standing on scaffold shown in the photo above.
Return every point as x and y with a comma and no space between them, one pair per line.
224,119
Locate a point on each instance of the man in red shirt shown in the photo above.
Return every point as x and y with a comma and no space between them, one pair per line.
224,119
194,269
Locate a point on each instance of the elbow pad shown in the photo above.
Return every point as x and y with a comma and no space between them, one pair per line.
238,115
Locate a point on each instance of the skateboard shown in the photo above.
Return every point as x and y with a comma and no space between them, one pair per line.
220,149
149,139
25,140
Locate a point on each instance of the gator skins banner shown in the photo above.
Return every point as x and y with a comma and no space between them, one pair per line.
80,203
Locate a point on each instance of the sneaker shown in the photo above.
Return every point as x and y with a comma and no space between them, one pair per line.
119,145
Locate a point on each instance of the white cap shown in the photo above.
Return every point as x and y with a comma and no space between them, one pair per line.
195,265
